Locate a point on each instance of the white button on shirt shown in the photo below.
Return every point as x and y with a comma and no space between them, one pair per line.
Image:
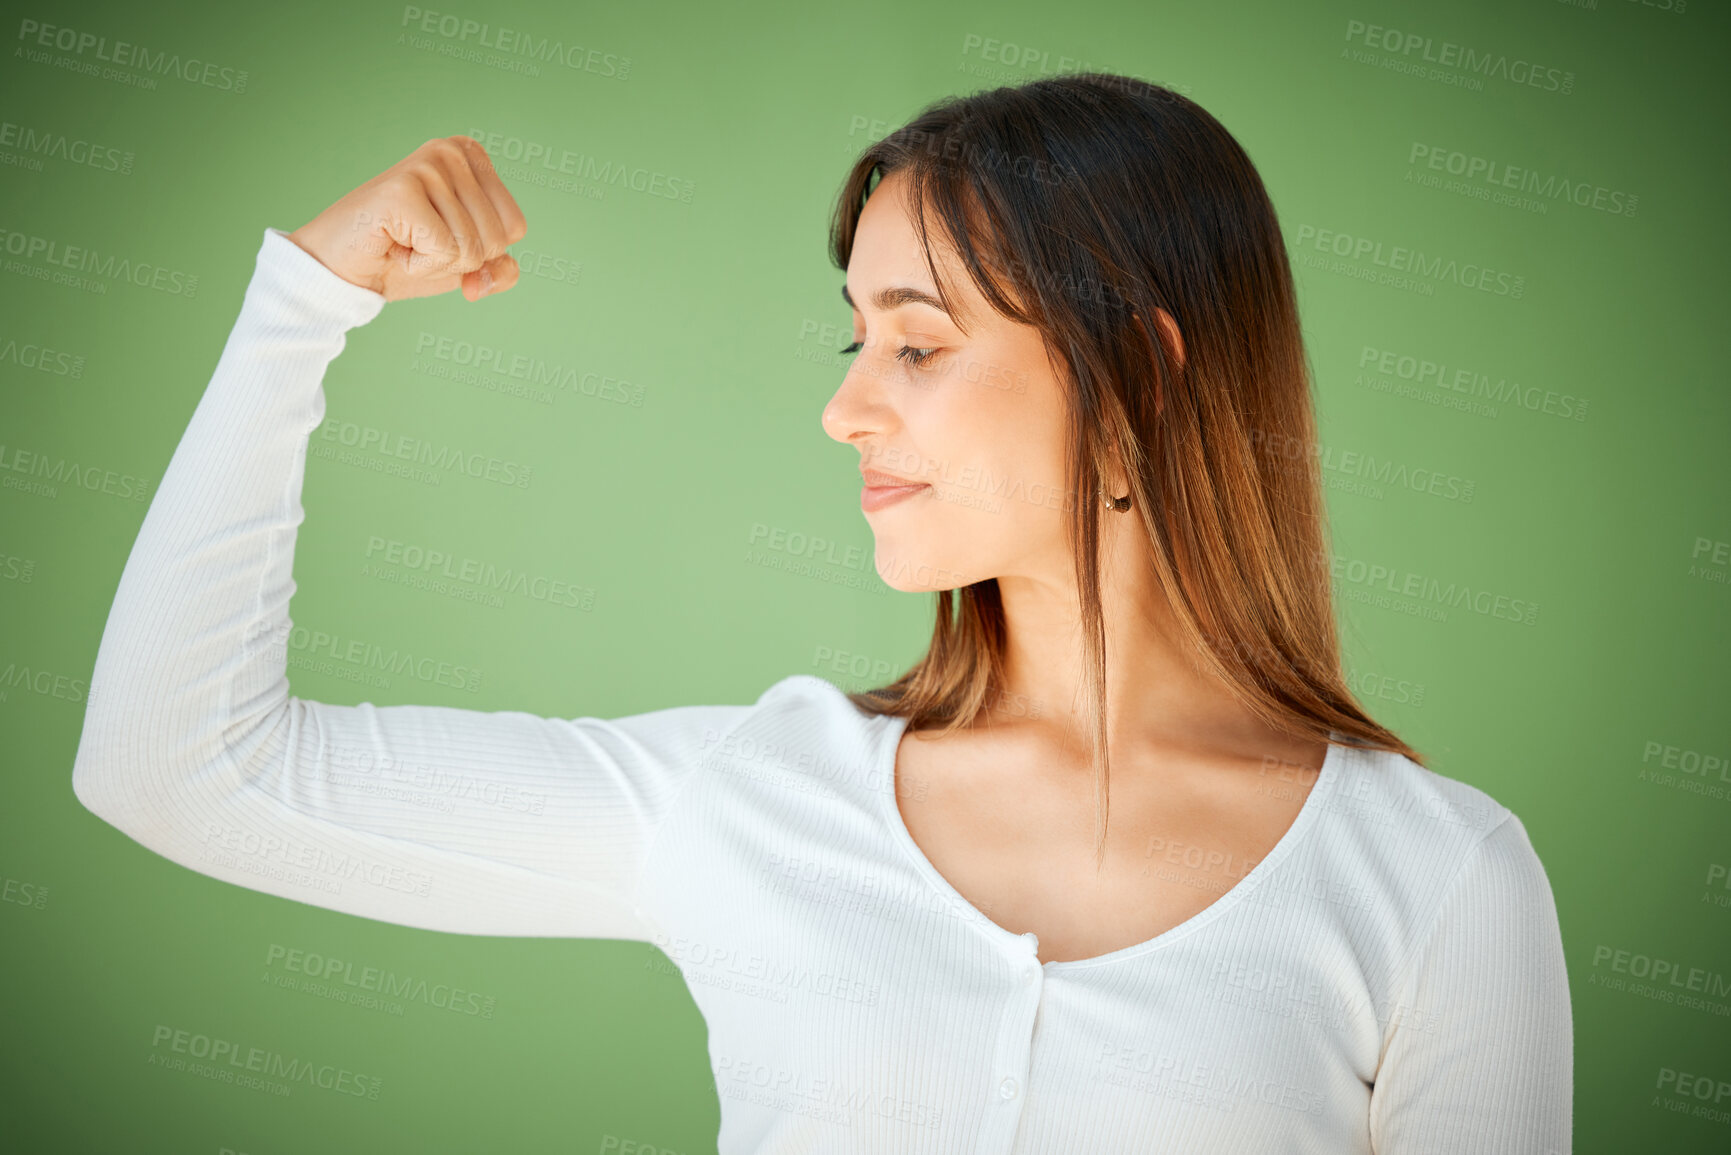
1390,975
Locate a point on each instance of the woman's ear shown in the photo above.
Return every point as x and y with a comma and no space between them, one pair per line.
1170,335
1170,338
1115,479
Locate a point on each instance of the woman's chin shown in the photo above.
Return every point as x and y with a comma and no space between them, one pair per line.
917,574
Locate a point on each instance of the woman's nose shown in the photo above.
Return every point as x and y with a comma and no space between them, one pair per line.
858,405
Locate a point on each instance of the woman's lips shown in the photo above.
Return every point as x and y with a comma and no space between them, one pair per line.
875,497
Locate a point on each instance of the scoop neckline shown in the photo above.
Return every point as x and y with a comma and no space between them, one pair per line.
1314,803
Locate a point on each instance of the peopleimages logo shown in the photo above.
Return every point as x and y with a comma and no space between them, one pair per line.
422,451
1502,175
1446,54
46,473
41,359
1353,575
379,981
440,563
37,144
1673,973
583,166
367,655
1470,382
48,253
515,42
1416,262
123,53
528,368
226,1060
45,682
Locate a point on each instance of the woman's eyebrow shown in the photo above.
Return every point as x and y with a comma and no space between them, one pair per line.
895,296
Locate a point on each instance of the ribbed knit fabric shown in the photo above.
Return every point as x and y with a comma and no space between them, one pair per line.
1388,978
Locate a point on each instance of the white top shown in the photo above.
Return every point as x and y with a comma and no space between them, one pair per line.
1390,977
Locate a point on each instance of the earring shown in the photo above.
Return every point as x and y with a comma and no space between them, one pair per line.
1116,504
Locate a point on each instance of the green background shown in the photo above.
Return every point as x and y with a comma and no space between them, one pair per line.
1608,523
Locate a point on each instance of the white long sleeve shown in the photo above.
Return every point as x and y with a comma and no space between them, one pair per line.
444,818
1480,1056
1388,979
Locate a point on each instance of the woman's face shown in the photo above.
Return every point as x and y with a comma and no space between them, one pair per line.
979,423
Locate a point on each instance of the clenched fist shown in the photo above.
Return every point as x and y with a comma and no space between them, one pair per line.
438,219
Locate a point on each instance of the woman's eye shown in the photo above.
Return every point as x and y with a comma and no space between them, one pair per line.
907,353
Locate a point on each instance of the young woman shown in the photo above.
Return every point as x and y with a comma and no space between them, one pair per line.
909,917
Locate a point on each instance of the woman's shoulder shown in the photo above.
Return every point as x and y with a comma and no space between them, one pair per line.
1419,832
785,706
809,691
1406,844
1384,789
803,706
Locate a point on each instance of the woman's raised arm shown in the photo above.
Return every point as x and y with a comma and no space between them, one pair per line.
450,819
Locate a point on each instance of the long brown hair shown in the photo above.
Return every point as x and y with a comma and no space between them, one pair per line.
1079,204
